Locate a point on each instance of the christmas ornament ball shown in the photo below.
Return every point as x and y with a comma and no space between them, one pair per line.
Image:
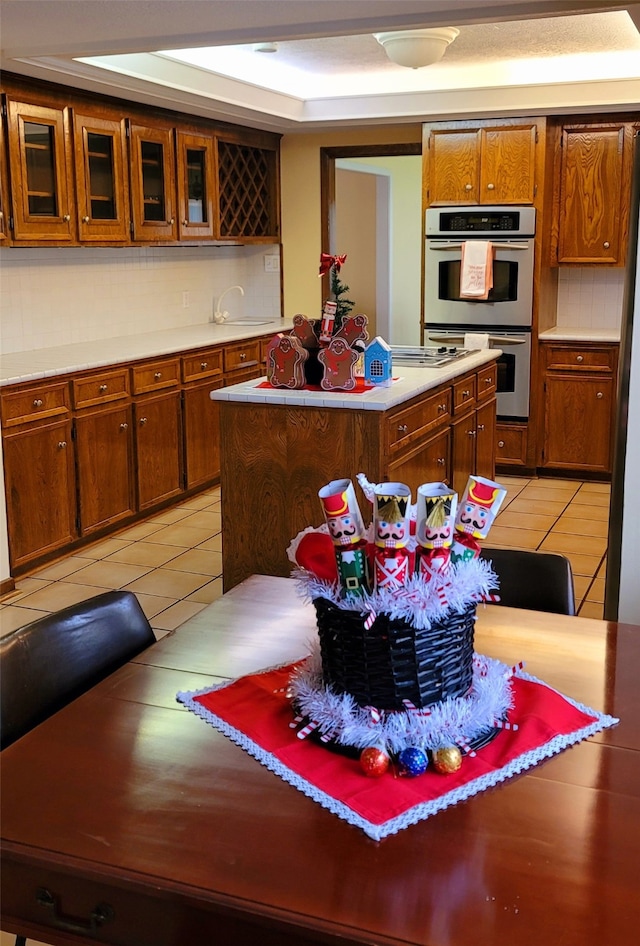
374,762
446,761
412,761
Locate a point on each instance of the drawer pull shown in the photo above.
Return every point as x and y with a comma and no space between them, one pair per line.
580,358
480,427
143,421
402,428
101,914
466,393
488,380
599,395
103,389
468,187
62,444
124,426
157,376
204,365
440,461
606,244
471,433
491,187
442,408
501,443
243,357
38,402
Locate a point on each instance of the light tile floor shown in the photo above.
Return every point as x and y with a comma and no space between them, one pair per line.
173,560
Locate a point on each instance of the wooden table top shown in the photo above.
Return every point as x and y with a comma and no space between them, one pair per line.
125,798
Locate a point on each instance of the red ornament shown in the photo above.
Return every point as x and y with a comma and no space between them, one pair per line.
327,261
374,762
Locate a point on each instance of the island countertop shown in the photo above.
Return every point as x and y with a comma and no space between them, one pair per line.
408,383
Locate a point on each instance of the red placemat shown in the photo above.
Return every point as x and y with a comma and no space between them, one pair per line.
255,713
361,387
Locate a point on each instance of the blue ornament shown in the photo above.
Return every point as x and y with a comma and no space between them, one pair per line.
412,762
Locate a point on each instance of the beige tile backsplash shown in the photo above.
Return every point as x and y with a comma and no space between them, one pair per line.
589,297
58,296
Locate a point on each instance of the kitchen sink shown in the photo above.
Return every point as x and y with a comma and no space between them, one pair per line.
248,321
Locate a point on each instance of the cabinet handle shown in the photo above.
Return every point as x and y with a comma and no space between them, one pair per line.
402,428
440,461
124,427
491,187
38,402
466,393
580,358
501,443
62,444
103,389
606,244
86,219
480,428
243,357
157,375
102,913
488,380
172,221
599,395
143,421
468,187
66,218
471,433
185,223
442,408
204,365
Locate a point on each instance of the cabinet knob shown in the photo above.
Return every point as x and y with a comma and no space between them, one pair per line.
606,244
143,421
402,428
103,389
185,223
204,365
66,218
599,395
501,443
468,187
580,358
38,402
471,433
488,380
440,461
491,187
124,427
480,428
466,393
157,375
172,221
62,444
243,357
86,219
442,408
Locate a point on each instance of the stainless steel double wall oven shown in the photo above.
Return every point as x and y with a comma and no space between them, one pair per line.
506,315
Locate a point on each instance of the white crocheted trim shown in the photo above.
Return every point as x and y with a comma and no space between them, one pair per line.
418,812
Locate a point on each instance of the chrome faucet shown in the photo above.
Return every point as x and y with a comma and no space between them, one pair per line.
220,316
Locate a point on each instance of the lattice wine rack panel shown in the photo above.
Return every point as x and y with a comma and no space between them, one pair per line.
246,179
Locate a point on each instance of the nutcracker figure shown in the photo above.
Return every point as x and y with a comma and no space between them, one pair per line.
346,528
478,508
435,518
391,535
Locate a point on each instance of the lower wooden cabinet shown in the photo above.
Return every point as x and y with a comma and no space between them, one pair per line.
158,449
511,445
105,466
429,462
201,426
473,438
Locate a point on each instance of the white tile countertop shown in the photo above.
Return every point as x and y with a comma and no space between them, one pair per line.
47,362
409,383
562,333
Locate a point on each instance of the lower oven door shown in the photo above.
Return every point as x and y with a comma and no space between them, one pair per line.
514,367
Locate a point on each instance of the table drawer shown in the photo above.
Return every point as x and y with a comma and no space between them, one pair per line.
244,355
101,388
464,393
581,357
155,376
41,402
487,381
406,426
203,364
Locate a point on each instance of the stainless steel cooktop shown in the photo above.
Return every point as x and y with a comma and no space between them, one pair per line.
426,357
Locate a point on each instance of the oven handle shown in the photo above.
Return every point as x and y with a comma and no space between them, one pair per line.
497,339
444,245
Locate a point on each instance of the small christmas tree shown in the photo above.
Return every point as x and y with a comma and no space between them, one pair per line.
332,265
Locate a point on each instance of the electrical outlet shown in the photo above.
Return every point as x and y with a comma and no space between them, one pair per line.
272,264
186,301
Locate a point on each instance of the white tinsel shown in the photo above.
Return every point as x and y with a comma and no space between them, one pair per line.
451,722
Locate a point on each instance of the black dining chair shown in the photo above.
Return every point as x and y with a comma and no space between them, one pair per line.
48,663
538,581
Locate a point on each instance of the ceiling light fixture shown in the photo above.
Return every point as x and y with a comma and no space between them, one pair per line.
417,48
265,48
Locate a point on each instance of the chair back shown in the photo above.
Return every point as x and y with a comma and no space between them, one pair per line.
48,663
538,581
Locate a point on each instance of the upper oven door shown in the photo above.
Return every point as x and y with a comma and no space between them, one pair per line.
510,302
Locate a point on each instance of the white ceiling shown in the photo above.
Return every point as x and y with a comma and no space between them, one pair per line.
511,56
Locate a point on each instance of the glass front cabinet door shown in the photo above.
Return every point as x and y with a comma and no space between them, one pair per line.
41,172
102,187
196,187
152,183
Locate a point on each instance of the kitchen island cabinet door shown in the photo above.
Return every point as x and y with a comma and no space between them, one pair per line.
464,436
104,456
40,490
430,462
485,440
158,449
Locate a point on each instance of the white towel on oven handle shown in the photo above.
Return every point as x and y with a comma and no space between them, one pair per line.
476,269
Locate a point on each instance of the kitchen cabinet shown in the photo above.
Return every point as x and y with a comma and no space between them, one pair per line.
473,427
41,172
197,187
579,392
511,445
158,430
4,192
153,183
202,372
480,162
592,193
39,471
418,441
248,188
102,188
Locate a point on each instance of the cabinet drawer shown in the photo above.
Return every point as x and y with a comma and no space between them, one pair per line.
241,356
581,357
101,388
464,393
156,376
511,444
406,426
34,404
203,364
487,381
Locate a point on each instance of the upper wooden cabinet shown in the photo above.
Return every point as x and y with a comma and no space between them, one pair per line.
480,163
41,175
197,190
248,192
102,188
591,193
153,183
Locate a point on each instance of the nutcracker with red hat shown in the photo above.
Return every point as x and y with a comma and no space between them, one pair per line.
346,528
478,508
435,519
391,527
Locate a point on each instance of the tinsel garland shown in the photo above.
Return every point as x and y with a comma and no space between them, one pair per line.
453,722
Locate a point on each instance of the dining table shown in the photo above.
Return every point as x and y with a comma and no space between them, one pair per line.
128,820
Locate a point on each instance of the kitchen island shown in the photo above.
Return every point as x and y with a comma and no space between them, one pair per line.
279,447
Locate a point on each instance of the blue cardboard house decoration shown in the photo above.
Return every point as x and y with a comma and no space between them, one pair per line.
378,367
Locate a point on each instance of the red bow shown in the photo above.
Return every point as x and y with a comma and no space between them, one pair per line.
326,262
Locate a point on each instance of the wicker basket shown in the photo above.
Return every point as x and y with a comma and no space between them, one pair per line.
391,661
